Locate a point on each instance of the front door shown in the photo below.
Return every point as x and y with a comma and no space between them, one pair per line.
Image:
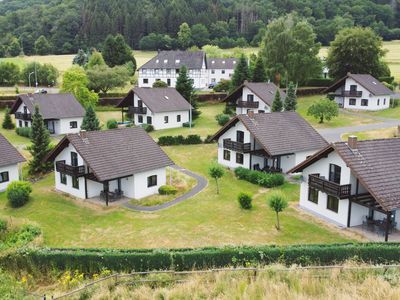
50,126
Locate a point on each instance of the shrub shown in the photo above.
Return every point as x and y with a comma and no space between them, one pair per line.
148,127
7,122
24,131
169,140
222,86
193,139
3,225
112,124
18,193
245,200
267,180
167,190
187,124
222,119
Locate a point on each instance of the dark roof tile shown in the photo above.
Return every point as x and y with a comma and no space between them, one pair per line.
8,154
175,60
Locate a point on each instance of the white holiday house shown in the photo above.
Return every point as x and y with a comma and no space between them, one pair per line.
220,69
273,142
62,113
254,96
161,107
109,164
361,92
354,183
10,159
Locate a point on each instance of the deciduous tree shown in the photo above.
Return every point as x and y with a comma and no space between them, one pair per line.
9,74
103,78
277,202
216,172
323,109
42,46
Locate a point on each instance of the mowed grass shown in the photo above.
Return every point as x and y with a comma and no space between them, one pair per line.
204,220
342,120
373,134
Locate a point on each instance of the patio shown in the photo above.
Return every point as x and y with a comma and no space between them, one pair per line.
394,236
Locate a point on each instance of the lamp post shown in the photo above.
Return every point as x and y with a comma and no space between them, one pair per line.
29,78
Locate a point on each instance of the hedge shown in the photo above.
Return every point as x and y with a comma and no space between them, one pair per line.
170,140
93,260
261,178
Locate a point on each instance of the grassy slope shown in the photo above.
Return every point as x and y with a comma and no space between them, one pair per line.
373,134
206,219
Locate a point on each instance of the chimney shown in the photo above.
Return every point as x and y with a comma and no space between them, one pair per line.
352,142
82,134
250,113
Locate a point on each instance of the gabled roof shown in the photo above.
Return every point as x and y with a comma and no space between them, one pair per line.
279,133
221,63
8,154
264,90
376,164
51,106
370,83
175,60
157,99
115,153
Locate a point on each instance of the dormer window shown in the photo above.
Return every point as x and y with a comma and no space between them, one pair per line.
213,62
177,61
234,62
157,61
223,62
165,61
250,98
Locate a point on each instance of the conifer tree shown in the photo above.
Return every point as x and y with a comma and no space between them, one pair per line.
277,104
7,122
184,86
291,99
259,74
40,144
90,121
241,73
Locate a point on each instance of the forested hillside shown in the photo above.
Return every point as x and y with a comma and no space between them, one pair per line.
68,25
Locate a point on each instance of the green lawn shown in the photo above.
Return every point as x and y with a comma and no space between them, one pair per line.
206,219
373,134
391,113
205,124
342,120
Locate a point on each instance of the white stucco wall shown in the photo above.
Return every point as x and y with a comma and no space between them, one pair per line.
261,104
21,110
374,102
140,183
13,174
216,75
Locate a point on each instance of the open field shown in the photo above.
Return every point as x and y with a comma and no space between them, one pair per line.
206,219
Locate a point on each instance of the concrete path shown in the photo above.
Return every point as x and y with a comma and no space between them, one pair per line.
201,185
334,134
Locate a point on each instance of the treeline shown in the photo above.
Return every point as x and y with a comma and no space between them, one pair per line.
54,26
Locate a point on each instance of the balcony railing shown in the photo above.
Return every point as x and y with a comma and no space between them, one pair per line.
138,110
76,171
237,146
247,104
350,94
23,116
329,187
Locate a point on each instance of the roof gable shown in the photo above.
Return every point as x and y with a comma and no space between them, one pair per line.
116,153
51,106
8,154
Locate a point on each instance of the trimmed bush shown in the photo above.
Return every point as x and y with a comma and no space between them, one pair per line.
187,124
148,127
267,180
222,119
167,190
128,260
170,140
112,124
245,200
24,131
18,193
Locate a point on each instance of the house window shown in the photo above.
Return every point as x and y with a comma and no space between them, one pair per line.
169,82
26,124
222,71
75,182
334,173
63,178
152,181
212,71
352,101
74,159
353,88
239,158
379,100
140,119
333,203
364,102
313,195
145,80
250,98
384,101
20,123
4,177
73,124
165,119
178,118
240,136
149,120
177,71
227,155
140,103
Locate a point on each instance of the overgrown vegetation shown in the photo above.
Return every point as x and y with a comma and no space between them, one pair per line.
18,193
261,178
